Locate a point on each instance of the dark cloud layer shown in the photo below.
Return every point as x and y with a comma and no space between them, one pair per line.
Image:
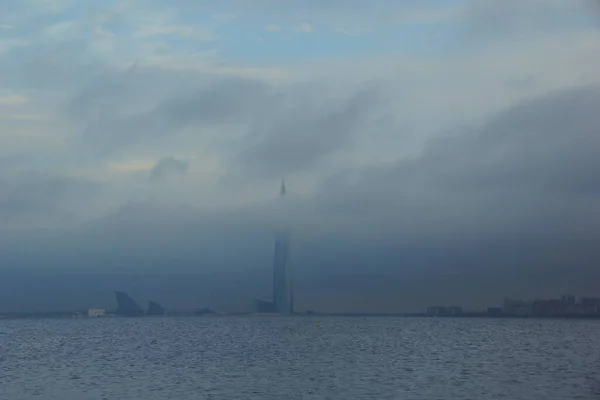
488,16
534,163
304,133
29,196
284,129
140,105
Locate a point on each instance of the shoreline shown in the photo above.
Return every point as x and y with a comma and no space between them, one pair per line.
176,314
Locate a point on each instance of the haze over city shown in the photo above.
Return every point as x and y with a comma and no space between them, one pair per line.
434,152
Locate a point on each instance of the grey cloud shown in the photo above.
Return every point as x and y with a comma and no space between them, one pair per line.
220,101
530,173
356,7
525,180
315,8
506,208
284,128
118,112
31,191
488,18
14,161
30,197
545,146
308,132
41,67
180,99
168,167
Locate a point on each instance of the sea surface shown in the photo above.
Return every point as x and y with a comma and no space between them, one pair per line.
299,358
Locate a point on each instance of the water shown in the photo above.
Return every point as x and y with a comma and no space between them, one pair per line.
291,358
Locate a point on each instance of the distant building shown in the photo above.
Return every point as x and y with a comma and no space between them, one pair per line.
494,311
517,308
155,309
264,306
454,311
541,308
555,307
204,311
567,306
590,305
126,306
283,293
96,312
437,311
524,310
590,300
568,299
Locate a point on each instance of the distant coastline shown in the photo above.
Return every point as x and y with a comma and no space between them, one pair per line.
82,314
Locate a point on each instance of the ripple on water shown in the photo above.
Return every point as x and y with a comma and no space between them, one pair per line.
291,358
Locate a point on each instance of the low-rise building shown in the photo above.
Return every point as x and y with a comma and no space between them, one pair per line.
454,311
437,311
523,310
517,307
494,311
96,312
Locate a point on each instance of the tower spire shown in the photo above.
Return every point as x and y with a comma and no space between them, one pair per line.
283,295
283,189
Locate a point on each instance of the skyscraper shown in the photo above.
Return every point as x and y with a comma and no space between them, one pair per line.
283,297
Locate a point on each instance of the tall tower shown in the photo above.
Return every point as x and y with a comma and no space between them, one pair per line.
282,278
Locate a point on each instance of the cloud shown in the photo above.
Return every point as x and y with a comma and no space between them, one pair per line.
330,9
514,196
31,199
13,100
308,134
114,118
168,167
7,45
272,28
224,17
184,31
343,30
14,161
527,175
23,117
304,28
488,19
131,166
61,30
271,129
526,178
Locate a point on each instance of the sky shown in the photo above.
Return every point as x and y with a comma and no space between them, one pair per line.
449,146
